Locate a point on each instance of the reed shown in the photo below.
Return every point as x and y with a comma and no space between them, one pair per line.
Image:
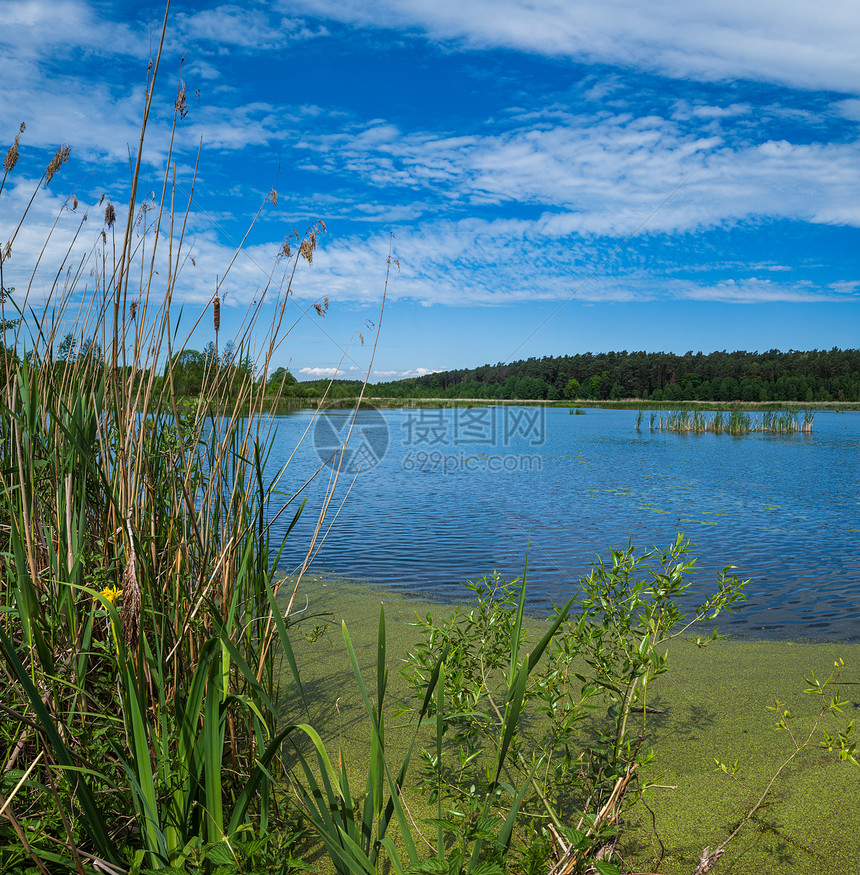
735,422
140,636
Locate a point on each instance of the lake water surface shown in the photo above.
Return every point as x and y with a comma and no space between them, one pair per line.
437,497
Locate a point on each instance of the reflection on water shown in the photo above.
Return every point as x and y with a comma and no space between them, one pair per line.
457,494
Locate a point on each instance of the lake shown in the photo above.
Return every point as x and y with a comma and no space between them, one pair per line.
427,499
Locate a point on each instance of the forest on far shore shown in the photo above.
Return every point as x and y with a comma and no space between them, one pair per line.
811,376
814,376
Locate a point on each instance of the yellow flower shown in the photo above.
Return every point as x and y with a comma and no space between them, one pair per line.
111,594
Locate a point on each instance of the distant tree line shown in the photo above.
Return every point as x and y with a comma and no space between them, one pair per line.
212,374
815,375
811,376
217,376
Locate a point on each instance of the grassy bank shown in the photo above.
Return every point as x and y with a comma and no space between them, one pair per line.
286,404
626,404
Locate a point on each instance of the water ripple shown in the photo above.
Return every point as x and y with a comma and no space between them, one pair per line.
785,510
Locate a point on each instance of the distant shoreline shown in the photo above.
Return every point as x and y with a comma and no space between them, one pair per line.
291,404
624,404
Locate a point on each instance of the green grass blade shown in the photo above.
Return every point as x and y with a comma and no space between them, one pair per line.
513,708
359,862
260,773
516,633
286,645
240,662
394,787
440,730
378,739
432,688
136,716
213,752
393,856
508,826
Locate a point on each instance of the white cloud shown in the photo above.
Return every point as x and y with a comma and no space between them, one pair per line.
54,239
750,291
479,263
320,373
468,262
520,207
684,110
607,175
846,287
803,45
32,28
849,108
248,28
99,123
384,376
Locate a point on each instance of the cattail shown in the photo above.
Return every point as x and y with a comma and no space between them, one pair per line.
11,158
179,104
216,313
59,159
130,614
110,215
133,309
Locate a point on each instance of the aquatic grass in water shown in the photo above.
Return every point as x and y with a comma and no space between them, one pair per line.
735,422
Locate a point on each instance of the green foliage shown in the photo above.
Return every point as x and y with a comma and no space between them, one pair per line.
814,375
354,828
573,747
245,852
151,699
572,388
280,381
735,423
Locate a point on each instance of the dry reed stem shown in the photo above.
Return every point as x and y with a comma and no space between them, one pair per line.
708,860
20,783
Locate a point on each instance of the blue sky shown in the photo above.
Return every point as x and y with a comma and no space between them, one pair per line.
553,177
